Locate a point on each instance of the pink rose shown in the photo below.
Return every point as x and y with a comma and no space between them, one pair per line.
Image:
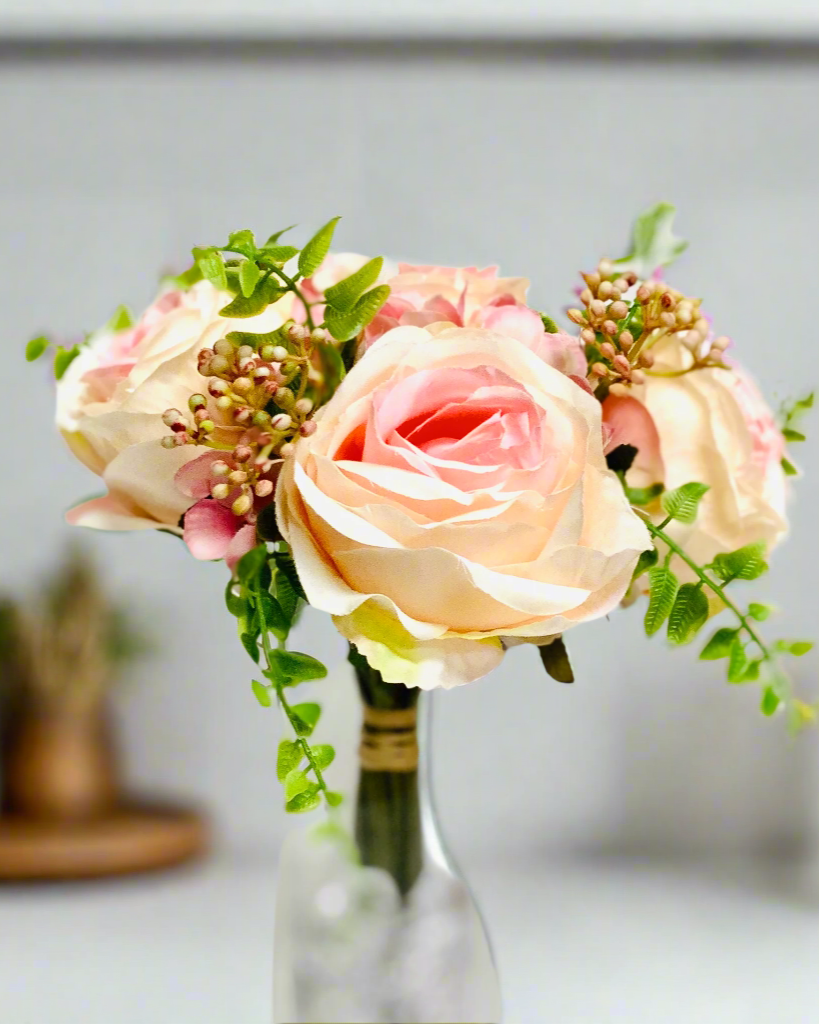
455,493
111,399
712,426
468,297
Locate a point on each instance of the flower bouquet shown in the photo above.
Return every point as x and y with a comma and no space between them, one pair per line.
448,473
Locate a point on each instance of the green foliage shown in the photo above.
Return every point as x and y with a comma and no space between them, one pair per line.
249,275
306,717
663,588
309,800
746,563
719,646
556,661
261,693
36,347
642,496
287,567
278,254
759,612
344,326
683,502
689,614
795,647
63,358
241,307
295,782
788,467
323,755
793,435
242,241
770,701
654,243
211,266
333,799
277,235
738,661
647,560
549,326
290,756
314,253
122,319
291,668
344,295
791,414
248,641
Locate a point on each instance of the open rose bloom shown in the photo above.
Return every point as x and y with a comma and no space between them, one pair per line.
455,495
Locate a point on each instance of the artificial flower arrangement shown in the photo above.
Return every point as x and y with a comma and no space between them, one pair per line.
441,468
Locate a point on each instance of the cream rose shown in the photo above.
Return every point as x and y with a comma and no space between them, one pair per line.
710,426
111,399
454,498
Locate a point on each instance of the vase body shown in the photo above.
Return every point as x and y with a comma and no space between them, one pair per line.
374,924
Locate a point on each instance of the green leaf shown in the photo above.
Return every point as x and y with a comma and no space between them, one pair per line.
770,701
122,319
286,595
344,326
265,294
332,366
663,587
323,755
760,612
795,647
549,326
309,800
689,614
682,503
804,403
295,782
751,674
333,798
793,435
256,341
788,467
277,235
746,563
289,757
344,295
646,561
294,667
249,275
212,267
236,604
285,564
737,661
307,717
314,253
643,495
273,614
63,358
261,693
719,646
654,244
249,643
36,347
555,660
250,565
279,254
244,241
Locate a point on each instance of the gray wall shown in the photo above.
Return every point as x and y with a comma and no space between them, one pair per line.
115,164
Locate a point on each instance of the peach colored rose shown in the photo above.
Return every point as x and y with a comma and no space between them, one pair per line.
111,399
712,426
455,493
468,297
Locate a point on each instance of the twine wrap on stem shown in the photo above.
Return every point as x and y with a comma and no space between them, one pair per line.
389,741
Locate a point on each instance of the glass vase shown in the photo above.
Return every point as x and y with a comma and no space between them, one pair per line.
374,924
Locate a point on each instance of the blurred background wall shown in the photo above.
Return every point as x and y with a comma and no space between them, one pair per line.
118,156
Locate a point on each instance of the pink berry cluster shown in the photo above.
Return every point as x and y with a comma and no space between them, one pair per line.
623,317
254,409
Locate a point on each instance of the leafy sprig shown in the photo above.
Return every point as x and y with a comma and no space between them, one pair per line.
791,415
265,597
685,607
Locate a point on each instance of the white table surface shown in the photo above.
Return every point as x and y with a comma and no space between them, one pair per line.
588,942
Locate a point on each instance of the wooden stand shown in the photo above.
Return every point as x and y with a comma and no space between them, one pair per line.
132,838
